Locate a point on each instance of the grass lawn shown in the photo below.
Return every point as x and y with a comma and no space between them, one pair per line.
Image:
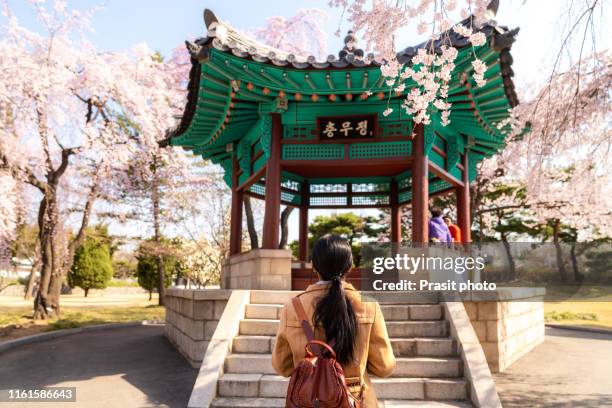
579,305
77,311
580,313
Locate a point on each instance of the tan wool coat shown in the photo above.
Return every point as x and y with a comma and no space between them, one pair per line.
373,353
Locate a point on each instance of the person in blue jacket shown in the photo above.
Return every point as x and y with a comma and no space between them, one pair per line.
438,230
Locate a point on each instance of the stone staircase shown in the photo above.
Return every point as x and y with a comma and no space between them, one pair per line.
429,372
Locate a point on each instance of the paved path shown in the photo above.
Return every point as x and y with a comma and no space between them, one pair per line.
570,369
126,367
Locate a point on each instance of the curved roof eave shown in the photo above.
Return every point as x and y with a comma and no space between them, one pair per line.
226,39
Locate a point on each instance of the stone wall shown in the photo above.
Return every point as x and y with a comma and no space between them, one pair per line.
191,319
258,269
508,327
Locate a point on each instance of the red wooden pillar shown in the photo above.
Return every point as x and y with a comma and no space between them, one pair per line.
420,188
396,212
463,203
236,213
303,233
273,187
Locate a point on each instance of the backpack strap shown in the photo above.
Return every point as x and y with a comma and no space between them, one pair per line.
301,314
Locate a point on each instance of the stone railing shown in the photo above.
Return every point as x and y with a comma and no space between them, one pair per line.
191,319
509,322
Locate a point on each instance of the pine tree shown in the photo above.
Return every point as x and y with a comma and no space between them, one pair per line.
92,267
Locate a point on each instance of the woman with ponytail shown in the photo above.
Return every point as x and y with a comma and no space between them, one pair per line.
353,325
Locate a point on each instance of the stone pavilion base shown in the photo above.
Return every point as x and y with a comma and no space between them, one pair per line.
258,269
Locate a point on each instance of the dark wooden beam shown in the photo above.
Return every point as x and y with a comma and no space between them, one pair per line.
336,207
255,177
303,232
396,219
236,212
444,175
420,189
273,187
463,204
348,193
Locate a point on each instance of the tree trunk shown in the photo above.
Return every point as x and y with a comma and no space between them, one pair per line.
511,264
32,278
150,295
250,220
46,302
559,250
578,276
86,292
161,278
284,219
56,263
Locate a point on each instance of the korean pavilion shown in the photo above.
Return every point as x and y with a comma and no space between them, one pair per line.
300,132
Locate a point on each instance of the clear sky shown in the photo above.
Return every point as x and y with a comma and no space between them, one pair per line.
164,24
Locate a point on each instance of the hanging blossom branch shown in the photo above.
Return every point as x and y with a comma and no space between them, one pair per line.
301,34
430,68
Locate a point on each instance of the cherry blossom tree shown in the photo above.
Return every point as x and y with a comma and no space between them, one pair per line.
78,117
430,69
562,161
164,186
564,158
9,213
301,34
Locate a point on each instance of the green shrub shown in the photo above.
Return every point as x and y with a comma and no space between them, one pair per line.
148,272
92,267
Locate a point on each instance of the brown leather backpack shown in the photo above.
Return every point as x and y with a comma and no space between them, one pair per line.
318,380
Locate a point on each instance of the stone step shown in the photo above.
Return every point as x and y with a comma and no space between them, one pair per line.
280,403
401,329
389,298
284,296
253,385
238,385
446,389
237,402
266,297
253,344
249,364
259,327
411,312
402,347
420,388
434,328
424,347
261,311
391,312
423,404
416,367
273,386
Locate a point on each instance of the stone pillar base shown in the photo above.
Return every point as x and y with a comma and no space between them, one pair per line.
258,269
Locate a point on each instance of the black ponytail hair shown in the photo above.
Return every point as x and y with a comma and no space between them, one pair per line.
332,258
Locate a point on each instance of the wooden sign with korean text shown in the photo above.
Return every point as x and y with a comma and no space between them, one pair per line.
347,127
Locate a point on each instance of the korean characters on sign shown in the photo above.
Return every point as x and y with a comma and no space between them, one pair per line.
346,127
